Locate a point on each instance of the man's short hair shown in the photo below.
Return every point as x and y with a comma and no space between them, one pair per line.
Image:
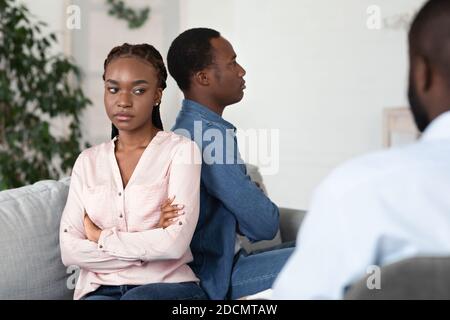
429,35
190,52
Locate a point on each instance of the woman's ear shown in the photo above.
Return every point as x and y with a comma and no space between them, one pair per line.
158,96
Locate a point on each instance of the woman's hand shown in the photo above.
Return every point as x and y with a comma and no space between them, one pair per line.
92,231
169,213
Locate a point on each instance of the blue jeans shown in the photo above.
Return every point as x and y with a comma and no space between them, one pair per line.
258,270
152,291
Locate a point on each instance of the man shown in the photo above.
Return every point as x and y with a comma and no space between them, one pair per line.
391,205
205,68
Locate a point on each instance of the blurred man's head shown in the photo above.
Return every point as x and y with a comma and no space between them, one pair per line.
429,78
203,64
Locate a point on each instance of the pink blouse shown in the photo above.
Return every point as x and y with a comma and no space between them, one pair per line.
131,249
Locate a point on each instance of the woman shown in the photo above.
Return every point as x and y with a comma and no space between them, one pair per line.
119,224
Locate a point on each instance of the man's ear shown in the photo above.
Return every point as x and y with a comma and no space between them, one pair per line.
423,73
202,78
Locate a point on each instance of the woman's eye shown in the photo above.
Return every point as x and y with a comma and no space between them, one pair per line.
112,90
139,91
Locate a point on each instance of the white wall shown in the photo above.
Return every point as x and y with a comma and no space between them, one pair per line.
314,71
53,13
317,73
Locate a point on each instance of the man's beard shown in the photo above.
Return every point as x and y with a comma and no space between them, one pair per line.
418,109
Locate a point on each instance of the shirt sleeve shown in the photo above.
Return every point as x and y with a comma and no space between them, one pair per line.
173,241
76,249
257,216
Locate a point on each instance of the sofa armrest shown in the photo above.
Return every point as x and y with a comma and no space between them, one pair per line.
416,278
290,222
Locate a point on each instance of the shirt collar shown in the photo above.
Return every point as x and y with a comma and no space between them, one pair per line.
205,112
158,138
438,129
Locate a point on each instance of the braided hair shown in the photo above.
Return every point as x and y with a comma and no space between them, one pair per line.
149,54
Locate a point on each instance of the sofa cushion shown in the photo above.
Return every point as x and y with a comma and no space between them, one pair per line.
30,259
416,278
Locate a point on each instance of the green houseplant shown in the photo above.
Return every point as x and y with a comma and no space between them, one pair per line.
135,17
37,89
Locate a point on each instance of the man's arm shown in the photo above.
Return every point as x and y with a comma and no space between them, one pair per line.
257,216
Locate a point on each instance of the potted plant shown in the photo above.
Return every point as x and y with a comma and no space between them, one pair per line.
37,89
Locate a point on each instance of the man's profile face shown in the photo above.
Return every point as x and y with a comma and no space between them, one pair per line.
418,109
227,81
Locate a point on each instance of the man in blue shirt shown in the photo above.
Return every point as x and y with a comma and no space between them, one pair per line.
204,66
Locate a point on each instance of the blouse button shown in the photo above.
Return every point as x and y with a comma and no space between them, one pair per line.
120,193
121,216
65,230
101,246
180,223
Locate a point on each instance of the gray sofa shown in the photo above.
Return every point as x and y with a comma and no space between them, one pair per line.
417,278
31,267
30,263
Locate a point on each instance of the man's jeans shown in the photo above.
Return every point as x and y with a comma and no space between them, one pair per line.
152,291
258,270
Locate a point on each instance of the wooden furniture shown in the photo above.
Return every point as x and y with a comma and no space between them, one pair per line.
399,127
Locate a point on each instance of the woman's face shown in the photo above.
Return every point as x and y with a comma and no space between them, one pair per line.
131,91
